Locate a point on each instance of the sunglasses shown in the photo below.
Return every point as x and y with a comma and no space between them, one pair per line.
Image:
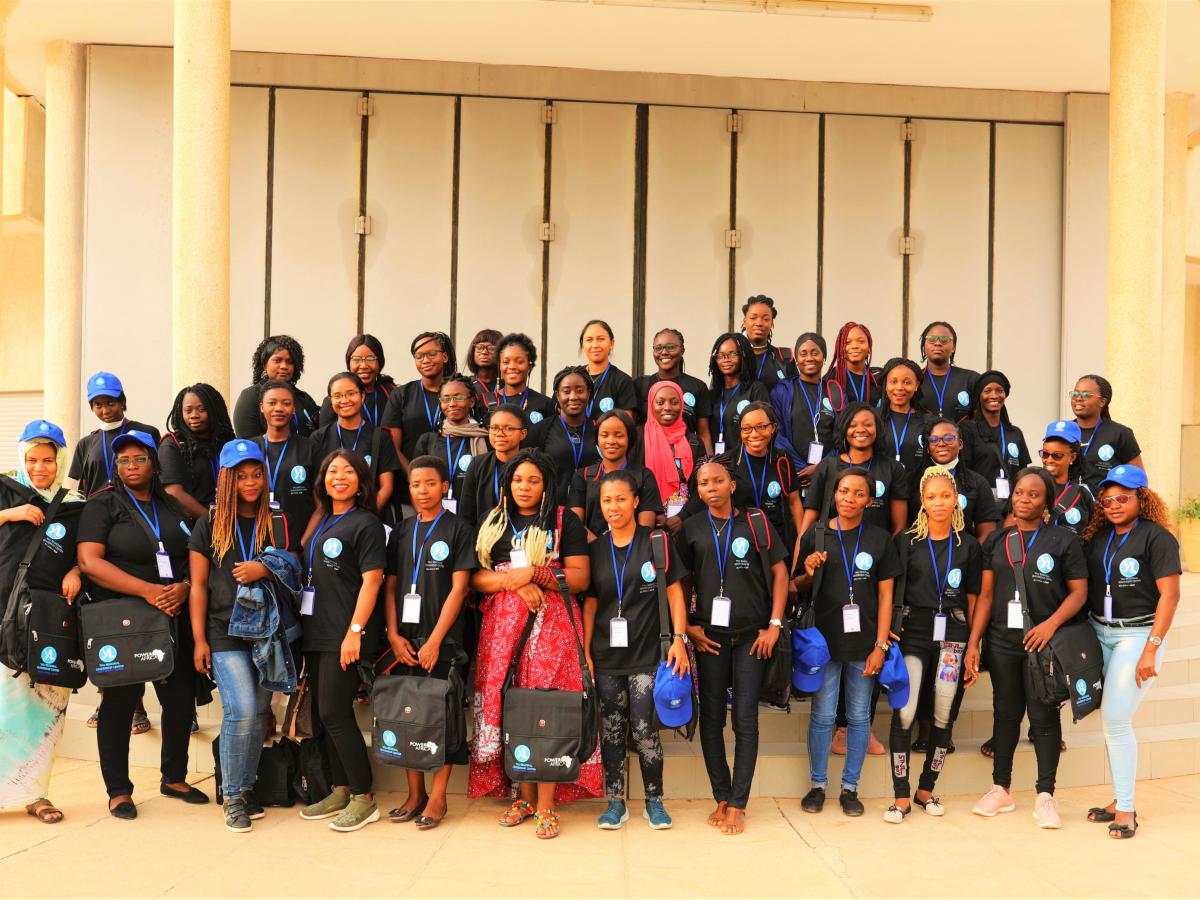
1115,499
1056,455
1080,395
938,339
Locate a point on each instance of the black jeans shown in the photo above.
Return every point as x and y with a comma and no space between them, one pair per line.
1010,701
935,668
627,707
718,671
333,693
176,695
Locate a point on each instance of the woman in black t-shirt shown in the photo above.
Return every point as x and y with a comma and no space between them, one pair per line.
278,358
481,490
1133,569
352,431
668,349
944,444
734,628
123,530
621,636
364,357
1106,443
415,408
291,464
941,569
481,363
805,423
1062,457
903,423
611,388
992,445
459,440
669,451
1054,573
771,364
949,397
615,437
516,357
345,557
569,440
198,427
732,388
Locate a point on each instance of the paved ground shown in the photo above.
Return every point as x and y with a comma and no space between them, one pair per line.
174,850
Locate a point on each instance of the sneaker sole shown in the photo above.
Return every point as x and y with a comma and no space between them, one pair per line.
327,815
606,826
254,817
988,815
373,817
661,826
1049,825
237,830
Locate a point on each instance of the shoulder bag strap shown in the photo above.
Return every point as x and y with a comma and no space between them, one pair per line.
658,555
1067,499
901,583
822,531
1014,545
40,531
758,523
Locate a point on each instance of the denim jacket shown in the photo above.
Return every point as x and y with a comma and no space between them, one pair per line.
262,614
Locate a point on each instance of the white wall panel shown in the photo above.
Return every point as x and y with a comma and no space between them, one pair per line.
591,203
247,229
501,172
777,216
1027,287
410,173
948,280
687,265
864,218
314,261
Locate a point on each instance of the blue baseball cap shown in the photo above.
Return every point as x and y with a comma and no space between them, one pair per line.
236,452
809,655
134,437
1064,430
1126,477
894,677
41,430
672,696
104,384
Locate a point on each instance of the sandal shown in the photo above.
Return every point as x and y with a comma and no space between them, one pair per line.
94,719
1123,832
518,812
44,811
400,815
988,749
735,821
1100,814
547,824
717,819
141,722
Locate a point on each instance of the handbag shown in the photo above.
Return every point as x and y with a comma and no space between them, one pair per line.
548,733
415,719
126,641
777,675
658,556
298,717
312,780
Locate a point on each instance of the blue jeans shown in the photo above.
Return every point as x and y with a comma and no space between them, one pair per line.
858,718
1122,648
244,724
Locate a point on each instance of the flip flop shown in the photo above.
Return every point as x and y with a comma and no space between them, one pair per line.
735,821
717,819
518,812
1100,814
45,811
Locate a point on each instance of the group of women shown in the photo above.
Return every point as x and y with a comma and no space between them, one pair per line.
430,520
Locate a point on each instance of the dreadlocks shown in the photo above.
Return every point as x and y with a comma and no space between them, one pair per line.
840,367
920,528
745,360
220,429
224,517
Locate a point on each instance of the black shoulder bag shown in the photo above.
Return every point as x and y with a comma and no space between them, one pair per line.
777,675
658,555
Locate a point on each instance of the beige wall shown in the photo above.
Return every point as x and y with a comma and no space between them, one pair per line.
20,310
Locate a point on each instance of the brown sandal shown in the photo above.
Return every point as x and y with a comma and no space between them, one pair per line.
735,821
518,812
717,819
547,824
44,811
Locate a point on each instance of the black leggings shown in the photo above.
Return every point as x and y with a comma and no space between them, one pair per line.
333,693
1010,701
627,706
938,667
733,666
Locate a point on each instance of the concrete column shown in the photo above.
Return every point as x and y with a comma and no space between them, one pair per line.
1135,224
1166,441
200,195
63,309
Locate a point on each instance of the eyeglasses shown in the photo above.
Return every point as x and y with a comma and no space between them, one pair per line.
946,440
504,429
428,355
1122,499
349,395
363,360
1056,455
124,462
1080,395
729,357
757,429
455,398
938,339
664,348
487,348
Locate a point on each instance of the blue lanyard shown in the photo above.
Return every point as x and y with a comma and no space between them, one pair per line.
814,408
859,390
462,445
321,529
417,554
941,395
620,575
755,485
432,416
496,481
106,448
576,452
845,560
357,435
596,390
373,418
1107,561
722,558
899,438
940,583
762,362
237,530
273,473
722,404
1003,443
502,392
141,512
1095,431
517,536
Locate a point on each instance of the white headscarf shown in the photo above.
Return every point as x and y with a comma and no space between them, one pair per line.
60,458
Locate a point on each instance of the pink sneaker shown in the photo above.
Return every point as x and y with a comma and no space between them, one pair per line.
997,800
1045,812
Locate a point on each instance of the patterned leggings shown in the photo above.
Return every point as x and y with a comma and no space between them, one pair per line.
627,704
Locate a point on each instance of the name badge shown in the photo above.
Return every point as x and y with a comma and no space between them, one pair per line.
618,632
939,627
722,608
410,613
851,621
1002,490
675,506
450,505
718,447
308,600
1108,604
816,452
1016,618
164,564
274,504
517,558
387,533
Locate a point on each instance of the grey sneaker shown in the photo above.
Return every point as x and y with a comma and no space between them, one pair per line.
236,818
254,809
360,813
329,807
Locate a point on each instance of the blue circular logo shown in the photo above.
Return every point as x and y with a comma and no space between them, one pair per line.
774,489
332,548
49,655
740,547
962,501
1130,567
439,551
1081,687
1073,516
535,417
389,738
864,561
107,653
464,463
648,573
742,405
299,474
367,457
964,399
689,399
521,753
57,531
1106,452
606,404
825,403
954,577
880,488
1012,449
1045,563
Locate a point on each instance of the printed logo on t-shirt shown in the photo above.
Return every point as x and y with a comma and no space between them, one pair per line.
56,531
880,488
963,398
1073,516
864,561
1045,563
648,573
1012,449
1106,452
774,489
464,463
954,578
299,474
367,457
1130,567
439,551
689,399
606,404
740,547
742,405
535,417
825,403
332,548
962,501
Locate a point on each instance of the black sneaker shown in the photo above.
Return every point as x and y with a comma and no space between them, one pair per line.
254,809
236,818
851,805
814,800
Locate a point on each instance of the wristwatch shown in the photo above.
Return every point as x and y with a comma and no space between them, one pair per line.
1155,640
356,628
883,647
778,623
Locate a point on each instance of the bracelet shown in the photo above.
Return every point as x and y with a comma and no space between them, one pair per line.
682,637
543,577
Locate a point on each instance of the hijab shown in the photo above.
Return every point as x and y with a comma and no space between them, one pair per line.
60,457
660,440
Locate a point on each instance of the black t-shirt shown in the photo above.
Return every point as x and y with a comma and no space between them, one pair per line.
906,429
890,482
727,405
481,489
455,452
1106,446
572,542
373,444
984,448
1077,509
248,422
809,419
1052,558
222,589
415,411
611,389
949,395
638,606
763,482
585,494
93,463
55,557
199,477
570,448
346,548
374,403
959,576
875,561
538,408
744,585
447,548
292,468
1149,552
696,401
109,518
867,387
772,366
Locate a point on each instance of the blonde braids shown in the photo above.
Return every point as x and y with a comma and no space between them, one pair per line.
494,526
920,528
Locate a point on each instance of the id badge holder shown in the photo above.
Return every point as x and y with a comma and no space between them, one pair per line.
1108,604
410,613
450,505
279,531
1002,490
722,607
851,620
816,452
1015,618
675,506
164,563
719,446
618,632
274,504
308,600
939,627
517,558
387,533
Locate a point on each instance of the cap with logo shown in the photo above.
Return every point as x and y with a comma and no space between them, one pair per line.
104,384
672,696
894,677
236,452
134,437
1064,430
810,653
1126,476
41,430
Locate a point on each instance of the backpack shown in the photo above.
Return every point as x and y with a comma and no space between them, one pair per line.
777,675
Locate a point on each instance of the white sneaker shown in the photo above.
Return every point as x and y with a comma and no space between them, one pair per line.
895,815
997,800
932,806
1045,812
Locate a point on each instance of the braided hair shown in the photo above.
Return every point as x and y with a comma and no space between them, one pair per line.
1105,390
839,368
498,521
932,325
444,342
268,348
920,528
224,517
220,429
745,360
